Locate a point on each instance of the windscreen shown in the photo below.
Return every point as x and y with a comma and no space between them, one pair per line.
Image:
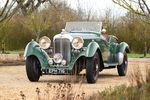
83,26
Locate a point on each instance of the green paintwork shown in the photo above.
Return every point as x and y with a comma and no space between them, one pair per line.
87,36
122,47
33,49
92,43
91,49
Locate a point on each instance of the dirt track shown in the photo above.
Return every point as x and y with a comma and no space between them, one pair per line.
13,80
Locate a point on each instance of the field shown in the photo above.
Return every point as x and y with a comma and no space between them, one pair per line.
13,80
135,55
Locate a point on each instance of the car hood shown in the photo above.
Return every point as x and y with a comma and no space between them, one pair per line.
84,35
88,35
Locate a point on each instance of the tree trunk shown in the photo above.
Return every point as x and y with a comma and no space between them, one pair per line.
145,49
3,47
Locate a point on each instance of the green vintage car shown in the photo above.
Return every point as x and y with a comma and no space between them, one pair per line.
79,46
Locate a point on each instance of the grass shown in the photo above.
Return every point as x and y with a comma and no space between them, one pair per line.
135,55
63,91
124,93
13,52
139,89
130,55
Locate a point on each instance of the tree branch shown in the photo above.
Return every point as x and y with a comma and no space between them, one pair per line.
127,6
141,7
148,9
4,8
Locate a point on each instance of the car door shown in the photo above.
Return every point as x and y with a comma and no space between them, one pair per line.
113,43
105,50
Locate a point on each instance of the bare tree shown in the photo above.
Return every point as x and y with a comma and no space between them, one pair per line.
37,22
11,7
109,21
84,12
139,7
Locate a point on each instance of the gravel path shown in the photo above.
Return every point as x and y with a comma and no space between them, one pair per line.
13,79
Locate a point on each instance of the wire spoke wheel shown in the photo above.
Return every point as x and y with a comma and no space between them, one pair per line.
122,69
33,68
92,68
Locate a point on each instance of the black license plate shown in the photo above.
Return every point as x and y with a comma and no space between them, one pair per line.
56,71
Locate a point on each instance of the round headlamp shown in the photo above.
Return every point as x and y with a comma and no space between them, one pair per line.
58,58
63,62
50,61
44,42
77,42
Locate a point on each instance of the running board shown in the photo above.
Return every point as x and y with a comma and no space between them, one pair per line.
110,65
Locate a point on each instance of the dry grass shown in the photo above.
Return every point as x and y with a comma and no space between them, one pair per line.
23,97
136,77
62,91
74,78
148,74
138,90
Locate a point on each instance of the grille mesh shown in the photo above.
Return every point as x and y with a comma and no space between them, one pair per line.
63,46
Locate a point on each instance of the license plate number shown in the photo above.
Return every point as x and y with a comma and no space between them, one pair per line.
57,71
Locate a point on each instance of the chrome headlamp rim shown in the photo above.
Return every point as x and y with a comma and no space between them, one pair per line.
58,57
63,62
77,42
44,42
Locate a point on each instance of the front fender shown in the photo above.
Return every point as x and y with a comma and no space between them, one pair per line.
123,47
91,49
33,49
88,52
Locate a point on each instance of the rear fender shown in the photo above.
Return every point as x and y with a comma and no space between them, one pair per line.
123,47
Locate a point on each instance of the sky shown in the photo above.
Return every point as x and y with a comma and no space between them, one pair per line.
98,6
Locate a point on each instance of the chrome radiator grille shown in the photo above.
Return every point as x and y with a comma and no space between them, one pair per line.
63,46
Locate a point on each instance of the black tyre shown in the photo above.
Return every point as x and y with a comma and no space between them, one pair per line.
92,68
75,70
33,68
122,69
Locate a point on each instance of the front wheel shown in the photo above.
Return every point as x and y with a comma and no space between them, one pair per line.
122,69
92,68
33,68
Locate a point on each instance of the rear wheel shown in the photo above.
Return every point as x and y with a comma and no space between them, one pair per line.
92,68
122,69
33,68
